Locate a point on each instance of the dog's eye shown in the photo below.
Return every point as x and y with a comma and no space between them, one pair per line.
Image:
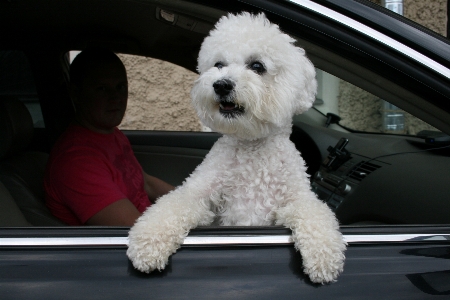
218,65
257,67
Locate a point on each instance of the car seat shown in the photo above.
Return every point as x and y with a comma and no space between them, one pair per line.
22,171
10,214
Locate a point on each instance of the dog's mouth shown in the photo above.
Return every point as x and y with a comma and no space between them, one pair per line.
230,109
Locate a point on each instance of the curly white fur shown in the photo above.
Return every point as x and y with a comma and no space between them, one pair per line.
253,175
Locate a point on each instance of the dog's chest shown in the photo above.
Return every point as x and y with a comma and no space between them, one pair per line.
253,170
253,183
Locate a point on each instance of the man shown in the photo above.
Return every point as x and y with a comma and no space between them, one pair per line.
92,176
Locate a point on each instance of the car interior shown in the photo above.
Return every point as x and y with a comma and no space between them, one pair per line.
366,178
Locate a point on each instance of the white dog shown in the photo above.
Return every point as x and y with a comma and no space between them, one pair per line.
252,81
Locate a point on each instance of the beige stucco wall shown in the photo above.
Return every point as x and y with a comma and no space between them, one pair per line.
430,13
158,96
159,92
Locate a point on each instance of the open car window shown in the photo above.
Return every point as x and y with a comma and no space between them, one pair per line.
159,100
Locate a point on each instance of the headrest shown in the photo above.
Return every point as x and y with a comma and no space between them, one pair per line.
16,126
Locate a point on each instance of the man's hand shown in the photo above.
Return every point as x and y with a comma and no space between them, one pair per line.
155,187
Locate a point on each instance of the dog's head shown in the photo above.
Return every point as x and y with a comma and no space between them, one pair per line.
252,78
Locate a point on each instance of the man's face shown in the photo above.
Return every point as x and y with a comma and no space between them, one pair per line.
102,97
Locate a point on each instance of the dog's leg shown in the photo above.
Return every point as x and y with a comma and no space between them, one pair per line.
162,228
315,232
160,231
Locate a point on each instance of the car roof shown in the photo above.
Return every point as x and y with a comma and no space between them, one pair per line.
124,26
135,26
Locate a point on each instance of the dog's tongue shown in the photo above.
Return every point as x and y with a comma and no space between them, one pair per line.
228,105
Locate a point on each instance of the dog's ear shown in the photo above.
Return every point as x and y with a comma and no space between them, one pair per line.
306,84
297,76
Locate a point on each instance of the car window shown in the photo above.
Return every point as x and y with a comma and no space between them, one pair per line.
16,80
362,111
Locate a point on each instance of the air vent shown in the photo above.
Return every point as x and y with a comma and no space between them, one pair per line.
362,170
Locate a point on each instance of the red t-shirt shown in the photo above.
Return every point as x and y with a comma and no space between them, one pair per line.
87,171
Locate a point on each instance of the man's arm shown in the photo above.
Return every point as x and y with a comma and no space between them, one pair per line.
119,213
155,187
123,212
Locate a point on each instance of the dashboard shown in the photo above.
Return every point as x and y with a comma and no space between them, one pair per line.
378,178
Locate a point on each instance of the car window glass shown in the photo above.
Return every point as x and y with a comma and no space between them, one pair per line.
16,80
362,111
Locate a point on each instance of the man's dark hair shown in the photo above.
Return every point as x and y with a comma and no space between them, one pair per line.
88,59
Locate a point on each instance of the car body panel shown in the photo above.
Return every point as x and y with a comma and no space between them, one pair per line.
411,268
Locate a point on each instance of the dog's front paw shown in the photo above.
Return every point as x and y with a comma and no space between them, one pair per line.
148,256
149,250
324,264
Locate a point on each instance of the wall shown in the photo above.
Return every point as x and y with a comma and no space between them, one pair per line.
430,13
158,96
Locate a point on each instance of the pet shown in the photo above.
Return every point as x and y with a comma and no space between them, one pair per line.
253,79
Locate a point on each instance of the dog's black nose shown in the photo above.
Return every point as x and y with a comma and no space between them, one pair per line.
223,87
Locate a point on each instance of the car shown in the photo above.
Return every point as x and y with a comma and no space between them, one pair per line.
376,144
